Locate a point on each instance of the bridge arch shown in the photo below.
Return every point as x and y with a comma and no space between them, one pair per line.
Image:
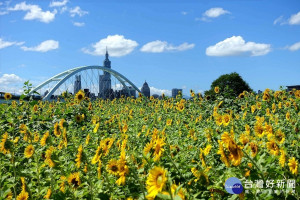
60,78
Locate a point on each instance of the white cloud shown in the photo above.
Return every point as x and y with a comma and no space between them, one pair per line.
117,45
163,46
7,79
212,13
77,11
158,91
58,3
3,12
236,46
13,89
34,12
79,24
294,19
215,12
63,9
4,44
279,20
294,47
45,46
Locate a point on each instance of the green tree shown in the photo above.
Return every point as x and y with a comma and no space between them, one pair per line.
230,85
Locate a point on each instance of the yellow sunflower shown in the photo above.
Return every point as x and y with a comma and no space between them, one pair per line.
180,107
79,96
79,156
23,195
280,137
169,122
148,147
158,150
236,153
112,167
282,158
29,150
4,145
48,156
74,180
253,108
218,119
57,131
297,94
254,149
155,181
288,116
273,147
222,153
244,138
180,193
7,96
259,129
293,164
78,118
47,196
217,89
226,119
44,138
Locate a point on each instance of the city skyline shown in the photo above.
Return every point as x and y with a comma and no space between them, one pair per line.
170,45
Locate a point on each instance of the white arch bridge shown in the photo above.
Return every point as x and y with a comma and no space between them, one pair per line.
90,78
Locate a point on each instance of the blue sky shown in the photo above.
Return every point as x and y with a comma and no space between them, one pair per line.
171,44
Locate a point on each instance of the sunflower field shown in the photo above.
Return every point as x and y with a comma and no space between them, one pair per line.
168,148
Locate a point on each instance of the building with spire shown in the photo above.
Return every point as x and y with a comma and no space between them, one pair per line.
105,90
145,89
77,84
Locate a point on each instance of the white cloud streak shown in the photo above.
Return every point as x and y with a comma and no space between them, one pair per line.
163,46
45,46
293,20
294,47
58,3
212,13
77,11
4,44
236,46
79,24
117,46
34,12
158,91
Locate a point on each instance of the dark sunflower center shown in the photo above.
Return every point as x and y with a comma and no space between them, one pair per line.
80,96
114,168
75,182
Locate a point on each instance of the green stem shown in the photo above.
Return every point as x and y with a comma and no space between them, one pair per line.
141,185
91,187
14,169
254,163
107,180
38,175
169,156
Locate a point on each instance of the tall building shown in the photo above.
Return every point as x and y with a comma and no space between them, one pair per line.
105,80
145,89
77,84
175,92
